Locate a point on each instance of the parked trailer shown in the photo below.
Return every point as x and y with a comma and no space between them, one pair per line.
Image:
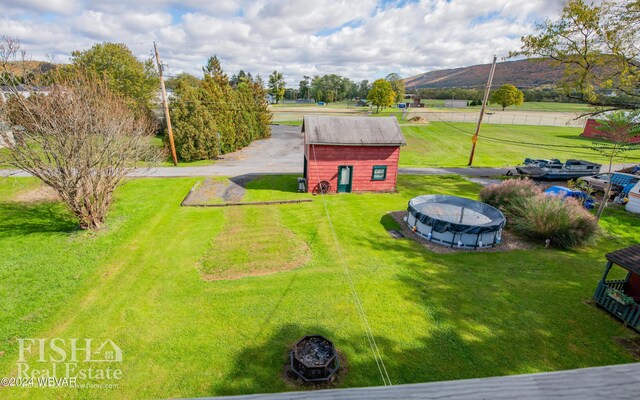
633,205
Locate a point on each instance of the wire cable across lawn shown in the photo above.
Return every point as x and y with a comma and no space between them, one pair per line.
354,293
529,144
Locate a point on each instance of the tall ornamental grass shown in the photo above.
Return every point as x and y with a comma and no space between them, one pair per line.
509,193
532,214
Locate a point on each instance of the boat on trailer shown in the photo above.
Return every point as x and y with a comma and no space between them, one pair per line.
555,170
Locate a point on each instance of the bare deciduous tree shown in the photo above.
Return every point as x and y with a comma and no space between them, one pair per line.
78,138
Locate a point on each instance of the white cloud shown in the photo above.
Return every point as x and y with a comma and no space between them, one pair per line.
55,6
361,40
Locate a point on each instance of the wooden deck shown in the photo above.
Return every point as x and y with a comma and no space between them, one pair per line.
628,313
610,382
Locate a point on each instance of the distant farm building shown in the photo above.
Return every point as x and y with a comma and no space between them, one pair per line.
456,103
349,154
591,131
417,101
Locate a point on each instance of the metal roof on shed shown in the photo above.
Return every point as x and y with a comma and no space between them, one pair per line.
628,258
355,131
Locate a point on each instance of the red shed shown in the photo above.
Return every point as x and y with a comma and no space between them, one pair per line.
351,154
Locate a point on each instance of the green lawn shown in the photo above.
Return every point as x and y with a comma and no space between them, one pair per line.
435,317
199,163
438,104
297,122
333,104
548,106
4,153
449,144
158,142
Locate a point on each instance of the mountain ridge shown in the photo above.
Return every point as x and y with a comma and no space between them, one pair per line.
524,74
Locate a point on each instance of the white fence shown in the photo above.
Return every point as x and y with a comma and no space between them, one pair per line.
504,118
532,118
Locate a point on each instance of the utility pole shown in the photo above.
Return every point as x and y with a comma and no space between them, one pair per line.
166,107
474,138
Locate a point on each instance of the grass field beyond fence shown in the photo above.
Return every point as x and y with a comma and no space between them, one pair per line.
449,144
435,317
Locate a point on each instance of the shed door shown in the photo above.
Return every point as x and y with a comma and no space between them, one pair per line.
345,175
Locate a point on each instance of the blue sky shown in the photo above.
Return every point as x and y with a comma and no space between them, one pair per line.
364,39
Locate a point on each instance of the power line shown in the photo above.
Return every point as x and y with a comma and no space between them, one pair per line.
526,144
354,293
241,107
165,105
474,138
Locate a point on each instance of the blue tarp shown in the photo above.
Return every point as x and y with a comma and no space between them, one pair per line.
623,179
563,192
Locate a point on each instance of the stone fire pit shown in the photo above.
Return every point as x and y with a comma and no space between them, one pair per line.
314,359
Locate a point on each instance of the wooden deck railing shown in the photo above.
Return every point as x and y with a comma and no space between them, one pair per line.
629,313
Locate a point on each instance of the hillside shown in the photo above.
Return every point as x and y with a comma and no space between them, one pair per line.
22,68
521,73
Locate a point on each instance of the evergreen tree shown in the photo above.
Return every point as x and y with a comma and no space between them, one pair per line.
214,70
218,115
276,85
262,113
194,126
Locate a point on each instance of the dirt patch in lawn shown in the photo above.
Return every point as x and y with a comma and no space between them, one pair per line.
632,345
218,190
418,120
509,240
40,194
254,242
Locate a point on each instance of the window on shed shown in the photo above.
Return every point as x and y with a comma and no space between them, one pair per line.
379,173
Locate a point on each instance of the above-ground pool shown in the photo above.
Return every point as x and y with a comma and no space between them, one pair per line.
455,221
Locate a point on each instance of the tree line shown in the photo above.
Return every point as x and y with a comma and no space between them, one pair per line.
330,88
474,96
217,115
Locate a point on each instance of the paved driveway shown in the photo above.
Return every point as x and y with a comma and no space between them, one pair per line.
282,153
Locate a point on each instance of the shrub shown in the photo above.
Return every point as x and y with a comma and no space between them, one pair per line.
511,191
564,222
535,215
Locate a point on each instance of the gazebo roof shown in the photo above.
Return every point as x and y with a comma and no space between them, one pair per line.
628,258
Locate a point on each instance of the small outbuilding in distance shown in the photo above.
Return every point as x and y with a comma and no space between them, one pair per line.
591,131
351,154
